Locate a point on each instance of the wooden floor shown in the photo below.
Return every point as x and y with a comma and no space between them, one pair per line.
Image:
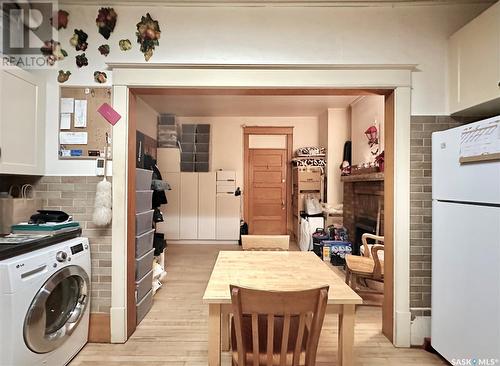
174,333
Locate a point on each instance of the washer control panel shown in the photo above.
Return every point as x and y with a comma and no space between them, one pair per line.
61,256
77,248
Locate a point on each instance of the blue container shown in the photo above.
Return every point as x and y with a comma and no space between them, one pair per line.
338,251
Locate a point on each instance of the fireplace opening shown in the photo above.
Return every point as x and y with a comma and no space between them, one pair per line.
362,225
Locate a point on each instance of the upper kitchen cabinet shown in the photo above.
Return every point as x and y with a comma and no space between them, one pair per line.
22,122
474,64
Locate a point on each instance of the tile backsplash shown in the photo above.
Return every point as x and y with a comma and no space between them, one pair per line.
75,196
422,128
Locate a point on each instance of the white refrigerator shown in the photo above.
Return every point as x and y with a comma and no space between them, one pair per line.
466,244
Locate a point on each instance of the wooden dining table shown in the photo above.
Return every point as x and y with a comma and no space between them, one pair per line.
275,271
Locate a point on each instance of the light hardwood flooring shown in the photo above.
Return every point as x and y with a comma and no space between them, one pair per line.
174,333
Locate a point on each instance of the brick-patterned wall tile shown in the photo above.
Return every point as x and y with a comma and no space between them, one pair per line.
75,195
422,128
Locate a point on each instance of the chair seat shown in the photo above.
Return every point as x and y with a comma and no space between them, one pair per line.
361,265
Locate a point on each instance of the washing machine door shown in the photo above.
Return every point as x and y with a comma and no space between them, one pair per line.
57,309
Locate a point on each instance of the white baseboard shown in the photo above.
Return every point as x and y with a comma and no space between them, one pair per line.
203,242
403,329
420,329
118,318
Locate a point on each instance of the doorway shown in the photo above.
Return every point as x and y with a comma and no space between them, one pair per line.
266,192
332,80
267,178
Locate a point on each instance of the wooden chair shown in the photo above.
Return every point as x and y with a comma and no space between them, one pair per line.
370,266
272,328
366,249
265,242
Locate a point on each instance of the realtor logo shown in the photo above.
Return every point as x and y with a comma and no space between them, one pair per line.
26,26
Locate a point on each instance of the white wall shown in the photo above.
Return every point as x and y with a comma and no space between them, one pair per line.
227,137
334,131
147,119
282,35
366,112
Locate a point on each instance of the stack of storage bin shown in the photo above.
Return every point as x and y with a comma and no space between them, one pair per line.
195,143
167,131
143,243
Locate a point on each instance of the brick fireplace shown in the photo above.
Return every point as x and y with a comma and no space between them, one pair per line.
363,198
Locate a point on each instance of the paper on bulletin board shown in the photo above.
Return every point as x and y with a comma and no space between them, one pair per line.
480,140
65,121
73,138
80,113
67,105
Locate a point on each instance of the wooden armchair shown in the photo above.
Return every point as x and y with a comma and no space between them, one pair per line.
265,242
276,328
369,266
366,249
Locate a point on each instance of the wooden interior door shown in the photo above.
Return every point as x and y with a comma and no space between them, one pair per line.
267,193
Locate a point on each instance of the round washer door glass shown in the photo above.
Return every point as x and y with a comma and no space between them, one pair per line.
56,309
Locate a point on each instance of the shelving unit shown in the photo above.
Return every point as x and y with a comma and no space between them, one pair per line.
144,250
195,143
304,181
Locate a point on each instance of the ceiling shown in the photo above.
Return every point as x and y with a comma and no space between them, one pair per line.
246,105
324,3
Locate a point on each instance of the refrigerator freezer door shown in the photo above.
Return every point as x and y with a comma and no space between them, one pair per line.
466,281
452,181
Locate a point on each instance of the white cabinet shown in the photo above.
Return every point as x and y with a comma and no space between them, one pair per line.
169,159
195,211
188,219
228,217
22,122
171,224
474,62
206,206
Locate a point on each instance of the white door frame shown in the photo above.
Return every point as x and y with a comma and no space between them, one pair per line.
397,77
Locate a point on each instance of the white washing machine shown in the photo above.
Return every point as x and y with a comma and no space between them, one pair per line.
44,304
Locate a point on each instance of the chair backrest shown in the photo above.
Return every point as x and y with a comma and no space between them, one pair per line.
377,268
364,239
265,242
301,314
372,252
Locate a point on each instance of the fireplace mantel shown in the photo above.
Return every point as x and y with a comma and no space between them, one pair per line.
368,177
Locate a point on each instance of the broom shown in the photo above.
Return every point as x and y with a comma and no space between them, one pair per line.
102,205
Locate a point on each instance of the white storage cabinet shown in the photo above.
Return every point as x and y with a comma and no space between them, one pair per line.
474,63
22,122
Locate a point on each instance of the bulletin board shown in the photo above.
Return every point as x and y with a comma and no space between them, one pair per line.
89,124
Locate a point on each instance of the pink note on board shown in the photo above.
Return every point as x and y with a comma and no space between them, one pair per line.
109,113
